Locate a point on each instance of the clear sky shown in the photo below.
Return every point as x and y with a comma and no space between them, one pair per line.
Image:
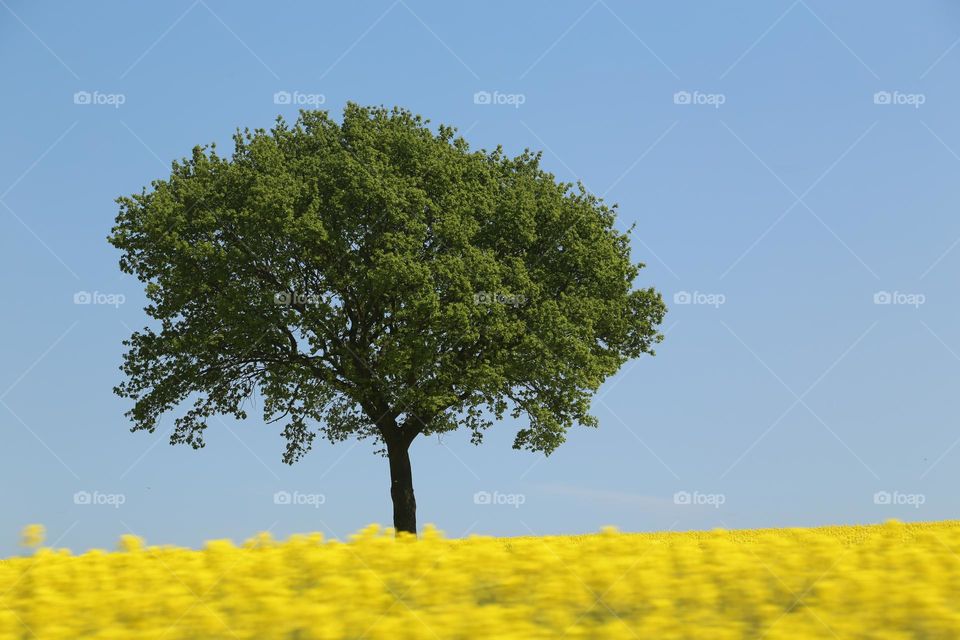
788,165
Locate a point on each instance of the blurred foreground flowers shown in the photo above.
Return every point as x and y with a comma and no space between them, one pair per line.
892,581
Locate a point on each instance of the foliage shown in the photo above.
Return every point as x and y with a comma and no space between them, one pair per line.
375,278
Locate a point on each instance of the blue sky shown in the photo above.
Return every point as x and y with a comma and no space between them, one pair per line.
791,168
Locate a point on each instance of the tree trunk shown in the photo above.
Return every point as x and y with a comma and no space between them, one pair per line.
401,487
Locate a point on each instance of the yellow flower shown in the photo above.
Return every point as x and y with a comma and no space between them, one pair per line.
131,543
33,535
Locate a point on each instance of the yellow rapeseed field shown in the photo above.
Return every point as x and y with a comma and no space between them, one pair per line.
891,581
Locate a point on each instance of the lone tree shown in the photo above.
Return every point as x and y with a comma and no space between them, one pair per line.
374,278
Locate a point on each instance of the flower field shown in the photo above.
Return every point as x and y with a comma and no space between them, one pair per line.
891,581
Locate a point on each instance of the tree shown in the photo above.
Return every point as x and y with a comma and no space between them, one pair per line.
376,279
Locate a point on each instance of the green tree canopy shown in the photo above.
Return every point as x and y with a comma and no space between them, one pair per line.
375,278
